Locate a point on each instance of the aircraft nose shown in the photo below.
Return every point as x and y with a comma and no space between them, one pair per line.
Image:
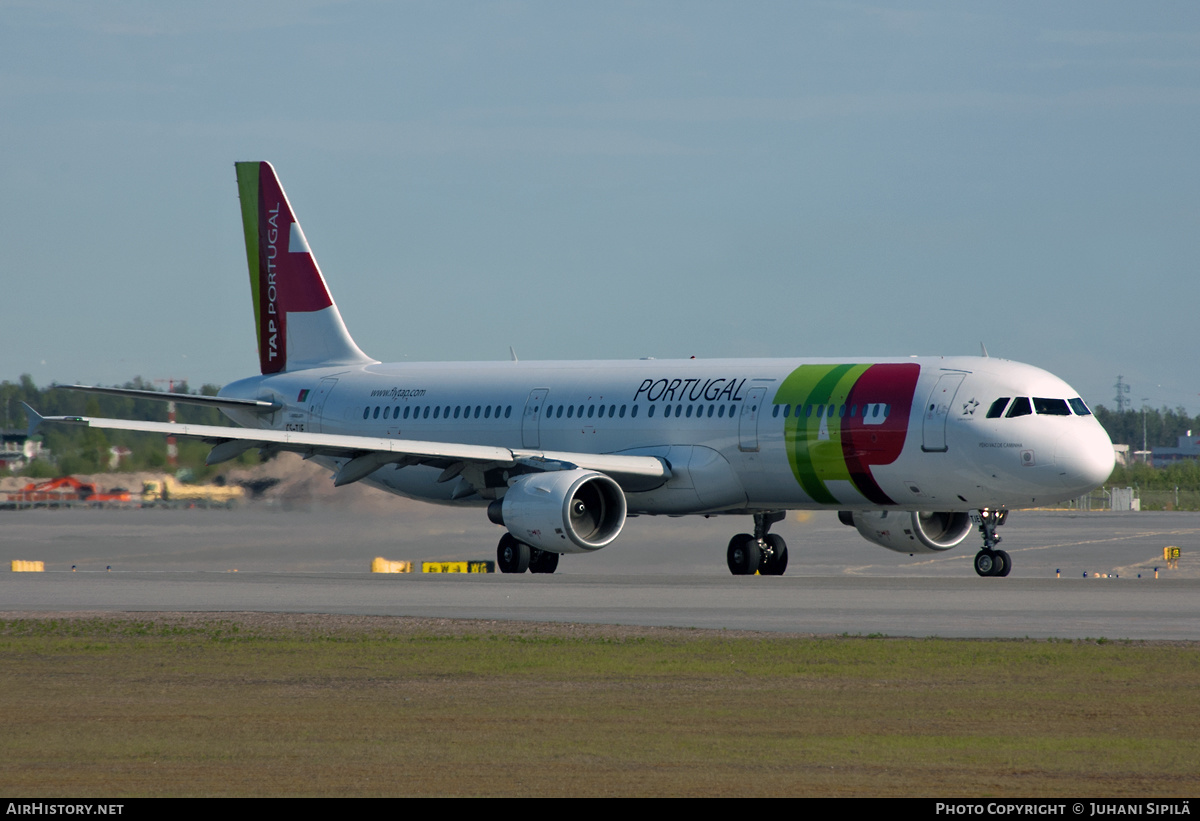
1085,458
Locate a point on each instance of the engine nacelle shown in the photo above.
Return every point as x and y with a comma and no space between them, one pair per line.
910,531
565,511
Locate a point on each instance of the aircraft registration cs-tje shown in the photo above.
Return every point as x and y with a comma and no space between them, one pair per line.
913,452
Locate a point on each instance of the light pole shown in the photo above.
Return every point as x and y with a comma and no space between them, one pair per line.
1145,452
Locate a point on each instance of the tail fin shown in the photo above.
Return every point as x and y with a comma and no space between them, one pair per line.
298,324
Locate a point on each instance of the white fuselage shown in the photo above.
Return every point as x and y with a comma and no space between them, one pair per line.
738,435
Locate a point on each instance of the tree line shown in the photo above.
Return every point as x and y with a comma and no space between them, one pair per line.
1163,426
78,449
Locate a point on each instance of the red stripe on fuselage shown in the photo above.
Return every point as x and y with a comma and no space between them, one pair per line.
866,445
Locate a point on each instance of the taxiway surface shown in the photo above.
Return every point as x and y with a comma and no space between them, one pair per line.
665,572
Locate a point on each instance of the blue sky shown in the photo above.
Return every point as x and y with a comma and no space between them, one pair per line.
610,180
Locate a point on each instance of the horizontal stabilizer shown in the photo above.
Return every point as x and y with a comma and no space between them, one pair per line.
255,405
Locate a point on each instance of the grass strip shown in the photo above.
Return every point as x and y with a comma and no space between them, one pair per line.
258,705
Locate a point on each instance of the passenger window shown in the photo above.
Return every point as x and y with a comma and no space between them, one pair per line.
570,411
689,412
997,408
366,412
633,412
666,410
1020,407
711,408
776,412
477,410
591,411
386,412
650,413
487,412
612,411
622,412
1079,407
1051,407
437,411
507,411
376,414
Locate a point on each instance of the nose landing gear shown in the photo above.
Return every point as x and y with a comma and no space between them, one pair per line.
989,561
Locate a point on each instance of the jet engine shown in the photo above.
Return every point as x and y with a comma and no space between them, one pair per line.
908,531
565,511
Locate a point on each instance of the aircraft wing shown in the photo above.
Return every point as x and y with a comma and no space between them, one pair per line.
368,453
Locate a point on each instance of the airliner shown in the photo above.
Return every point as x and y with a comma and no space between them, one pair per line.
913,452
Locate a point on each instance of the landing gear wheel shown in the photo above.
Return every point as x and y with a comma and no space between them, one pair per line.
1002,555
512,556
774,563
542,561
743,555
987,563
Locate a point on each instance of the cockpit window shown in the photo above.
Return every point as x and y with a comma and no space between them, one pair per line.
1079,407
1020,407
997,408
1051,407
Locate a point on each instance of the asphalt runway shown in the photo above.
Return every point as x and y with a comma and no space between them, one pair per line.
662,572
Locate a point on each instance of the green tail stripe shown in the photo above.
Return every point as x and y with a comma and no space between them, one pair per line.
248,175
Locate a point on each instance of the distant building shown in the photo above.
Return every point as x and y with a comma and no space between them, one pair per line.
1189,448
17,449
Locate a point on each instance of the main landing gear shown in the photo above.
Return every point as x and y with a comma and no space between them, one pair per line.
989,561
517,557
763,553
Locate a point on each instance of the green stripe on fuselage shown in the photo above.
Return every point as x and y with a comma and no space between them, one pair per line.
814,443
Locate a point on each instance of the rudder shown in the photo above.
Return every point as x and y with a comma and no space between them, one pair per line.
297,322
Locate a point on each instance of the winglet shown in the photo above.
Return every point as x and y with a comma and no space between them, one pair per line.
34,420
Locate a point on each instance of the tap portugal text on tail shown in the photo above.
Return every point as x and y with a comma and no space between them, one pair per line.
913,452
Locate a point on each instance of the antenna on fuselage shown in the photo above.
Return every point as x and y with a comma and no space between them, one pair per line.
983,348
512,353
